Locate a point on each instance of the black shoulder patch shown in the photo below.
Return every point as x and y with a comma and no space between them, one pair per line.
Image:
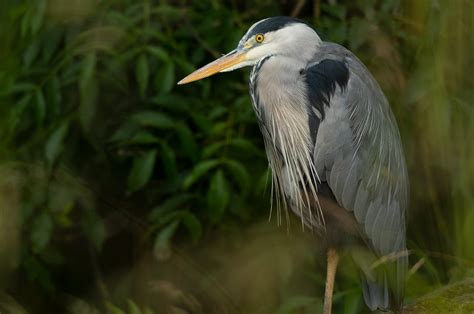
321,80
272,24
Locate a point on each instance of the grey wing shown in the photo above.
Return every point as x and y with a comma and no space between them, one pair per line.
358,152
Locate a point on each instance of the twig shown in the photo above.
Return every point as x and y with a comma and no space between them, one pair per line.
415,267
297,9
317,10
199,39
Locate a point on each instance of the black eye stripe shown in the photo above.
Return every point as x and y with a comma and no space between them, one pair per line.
272,24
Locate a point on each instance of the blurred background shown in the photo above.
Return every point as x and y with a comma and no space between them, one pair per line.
121,192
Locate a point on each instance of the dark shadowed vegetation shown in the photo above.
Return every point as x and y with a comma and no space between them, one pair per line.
121,192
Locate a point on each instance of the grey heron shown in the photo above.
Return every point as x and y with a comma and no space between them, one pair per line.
333,147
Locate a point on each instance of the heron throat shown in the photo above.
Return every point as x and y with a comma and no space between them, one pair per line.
277,91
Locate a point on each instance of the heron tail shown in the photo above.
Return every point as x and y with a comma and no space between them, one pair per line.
376,294
383,285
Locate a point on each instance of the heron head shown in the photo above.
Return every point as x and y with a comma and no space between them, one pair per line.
279,35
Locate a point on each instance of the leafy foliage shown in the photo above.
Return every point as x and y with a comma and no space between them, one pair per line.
115,160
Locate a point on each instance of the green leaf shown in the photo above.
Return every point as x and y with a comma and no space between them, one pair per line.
88,90
219,128
133,307
153,119
352,302
50,46
184,65
217,197
239,174
87,70
158,52
17,112
170,204
143,137
165,78
142,73
192,224
37,19
172,102
161,247
63,218
112,309
124,133
41,231
166,218
217,112
21,88
212,149
88,105
25,23
198,171
40,106
202,122
31,53
168,159
246,146
53,95
142,170
94,228
187,142
55,144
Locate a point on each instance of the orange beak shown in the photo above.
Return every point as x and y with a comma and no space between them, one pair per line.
219,65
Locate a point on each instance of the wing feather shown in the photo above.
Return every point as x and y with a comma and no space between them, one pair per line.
367,172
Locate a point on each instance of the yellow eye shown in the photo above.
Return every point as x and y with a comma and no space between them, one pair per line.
259,38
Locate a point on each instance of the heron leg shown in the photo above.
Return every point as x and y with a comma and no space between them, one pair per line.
333,259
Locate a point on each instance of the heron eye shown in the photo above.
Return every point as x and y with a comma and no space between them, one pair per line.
259,38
